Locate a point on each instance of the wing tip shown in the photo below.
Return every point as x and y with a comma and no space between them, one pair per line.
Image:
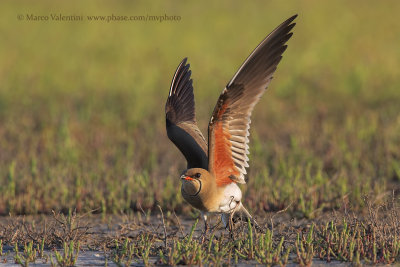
182,65
293,17
288,24
183,62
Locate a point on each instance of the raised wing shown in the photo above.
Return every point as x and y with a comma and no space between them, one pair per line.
228,129
181,124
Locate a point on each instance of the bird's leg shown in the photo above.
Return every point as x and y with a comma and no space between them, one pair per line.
203,235
227,218
230,225
215,227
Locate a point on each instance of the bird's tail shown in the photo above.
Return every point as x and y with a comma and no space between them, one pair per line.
227,217
244,211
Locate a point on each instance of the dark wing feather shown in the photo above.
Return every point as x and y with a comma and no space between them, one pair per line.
229,125
181,123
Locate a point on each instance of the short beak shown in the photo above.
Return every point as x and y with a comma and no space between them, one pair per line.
184,177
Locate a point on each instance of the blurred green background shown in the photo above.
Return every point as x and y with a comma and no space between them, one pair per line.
82,103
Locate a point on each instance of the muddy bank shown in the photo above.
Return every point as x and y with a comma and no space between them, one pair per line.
168,239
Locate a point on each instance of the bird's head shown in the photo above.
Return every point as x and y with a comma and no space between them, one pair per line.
194,180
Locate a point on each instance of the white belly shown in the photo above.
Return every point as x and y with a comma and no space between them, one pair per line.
231,198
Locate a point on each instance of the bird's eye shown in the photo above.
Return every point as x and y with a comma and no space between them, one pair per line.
197,175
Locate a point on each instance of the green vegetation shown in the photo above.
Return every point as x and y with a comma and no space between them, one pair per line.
373,239
69,256
82,104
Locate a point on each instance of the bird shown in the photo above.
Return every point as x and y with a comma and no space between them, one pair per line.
215,168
